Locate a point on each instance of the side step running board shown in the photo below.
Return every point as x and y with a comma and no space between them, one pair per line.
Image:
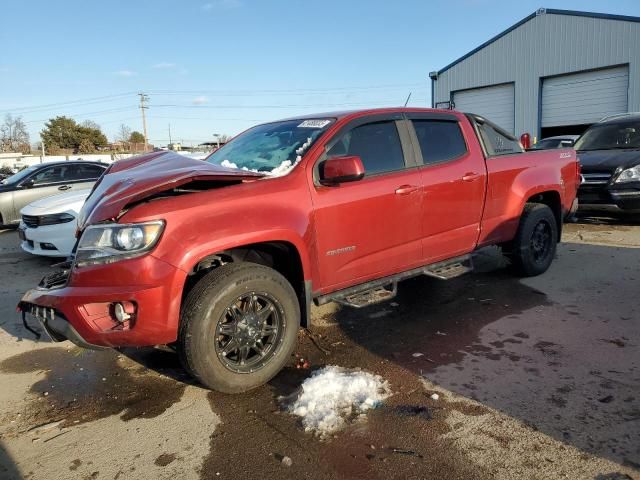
450,268
386,288
368,297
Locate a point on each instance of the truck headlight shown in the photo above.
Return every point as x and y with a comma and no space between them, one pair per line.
629,175
112,242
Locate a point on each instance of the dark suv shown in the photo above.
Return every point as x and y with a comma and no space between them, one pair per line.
43,180
609,153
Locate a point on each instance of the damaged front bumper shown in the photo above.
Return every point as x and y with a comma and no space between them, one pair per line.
54,324
131,303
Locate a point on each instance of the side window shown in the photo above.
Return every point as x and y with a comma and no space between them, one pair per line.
50,175
439,140
71,173
377,144
89,172
496,142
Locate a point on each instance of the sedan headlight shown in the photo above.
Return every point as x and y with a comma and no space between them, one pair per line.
112,242
56,218
629,175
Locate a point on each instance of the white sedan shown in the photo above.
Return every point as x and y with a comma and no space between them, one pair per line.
48,226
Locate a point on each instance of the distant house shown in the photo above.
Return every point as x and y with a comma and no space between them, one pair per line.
210,146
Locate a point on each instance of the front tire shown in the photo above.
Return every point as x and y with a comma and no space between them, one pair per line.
238,327
534,246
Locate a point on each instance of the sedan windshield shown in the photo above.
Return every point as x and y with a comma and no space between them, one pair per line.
609,136
13,179
272,148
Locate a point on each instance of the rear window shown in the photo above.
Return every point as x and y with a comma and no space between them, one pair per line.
496,141
439,141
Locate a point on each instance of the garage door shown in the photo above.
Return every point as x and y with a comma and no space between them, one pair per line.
583,98
494,103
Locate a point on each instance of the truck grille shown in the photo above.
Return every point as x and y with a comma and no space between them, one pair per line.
56,279
31,221
596,178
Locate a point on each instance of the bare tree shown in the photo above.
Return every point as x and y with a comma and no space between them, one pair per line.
124,133
13,135
90,124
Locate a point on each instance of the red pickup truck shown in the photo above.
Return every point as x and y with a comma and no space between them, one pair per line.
222,258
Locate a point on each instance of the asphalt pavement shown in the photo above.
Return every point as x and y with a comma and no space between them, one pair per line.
535,378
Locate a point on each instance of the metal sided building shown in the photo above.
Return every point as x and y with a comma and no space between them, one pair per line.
555,72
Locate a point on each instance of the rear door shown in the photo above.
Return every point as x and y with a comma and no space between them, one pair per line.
372,227
84,175
43,183
453,176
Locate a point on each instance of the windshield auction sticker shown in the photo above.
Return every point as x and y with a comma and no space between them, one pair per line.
314,124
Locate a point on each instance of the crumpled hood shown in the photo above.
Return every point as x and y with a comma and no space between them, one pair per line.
607,160
131,180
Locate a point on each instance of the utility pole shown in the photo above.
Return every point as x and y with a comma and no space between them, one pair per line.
143,107
170,134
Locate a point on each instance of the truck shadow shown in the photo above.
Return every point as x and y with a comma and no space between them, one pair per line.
8,468
559,367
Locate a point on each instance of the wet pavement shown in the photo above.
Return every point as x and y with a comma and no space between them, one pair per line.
537,378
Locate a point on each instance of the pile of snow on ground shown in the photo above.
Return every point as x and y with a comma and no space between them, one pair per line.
334,394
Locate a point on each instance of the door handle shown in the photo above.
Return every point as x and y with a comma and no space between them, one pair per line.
470,176
406,189
64,187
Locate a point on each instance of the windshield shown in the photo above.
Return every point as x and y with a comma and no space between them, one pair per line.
19,176
273,148
608,136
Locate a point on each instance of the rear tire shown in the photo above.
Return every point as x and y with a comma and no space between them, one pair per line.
532,250
238,327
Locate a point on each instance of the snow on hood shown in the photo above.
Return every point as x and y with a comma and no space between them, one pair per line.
69,201
136,178
334,395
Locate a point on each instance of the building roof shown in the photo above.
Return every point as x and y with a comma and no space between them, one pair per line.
541,11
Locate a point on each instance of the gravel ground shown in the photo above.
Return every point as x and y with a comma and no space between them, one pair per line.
536,378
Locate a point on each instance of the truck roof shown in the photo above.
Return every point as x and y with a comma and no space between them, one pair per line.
368,111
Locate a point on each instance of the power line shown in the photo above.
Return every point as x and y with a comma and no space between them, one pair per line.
282,91
309,105
81,102
228,93
88,114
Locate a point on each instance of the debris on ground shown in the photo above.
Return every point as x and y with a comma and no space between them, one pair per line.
286,461
301,363
333,395
435,396
403,451
417,354
315,341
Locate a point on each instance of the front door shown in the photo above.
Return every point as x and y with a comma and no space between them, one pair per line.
371,227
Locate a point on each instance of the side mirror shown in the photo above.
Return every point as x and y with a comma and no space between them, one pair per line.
28,183
341,169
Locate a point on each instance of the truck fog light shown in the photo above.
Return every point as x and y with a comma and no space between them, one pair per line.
123,311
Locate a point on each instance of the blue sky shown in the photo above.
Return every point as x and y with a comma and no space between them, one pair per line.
220,66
